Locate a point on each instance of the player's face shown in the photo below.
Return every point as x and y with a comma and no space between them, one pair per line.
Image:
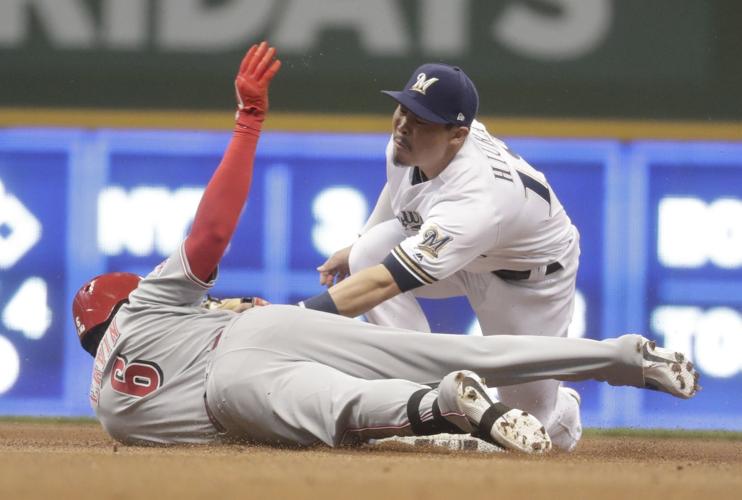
419,142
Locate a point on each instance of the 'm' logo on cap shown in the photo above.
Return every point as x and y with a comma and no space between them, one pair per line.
421,85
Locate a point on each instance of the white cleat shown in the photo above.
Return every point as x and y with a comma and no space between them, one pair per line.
497,423
565,429
573,394
668,371
451,442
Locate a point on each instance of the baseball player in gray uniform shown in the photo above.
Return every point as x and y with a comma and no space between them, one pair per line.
461,214
170,370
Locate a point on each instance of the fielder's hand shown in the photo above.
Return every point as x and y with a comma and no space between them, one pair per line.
237,304
336,268
251,85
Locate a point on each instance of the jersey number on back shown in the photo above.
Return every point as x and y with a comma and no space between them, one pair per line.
530,182
494,149
137,378
536,186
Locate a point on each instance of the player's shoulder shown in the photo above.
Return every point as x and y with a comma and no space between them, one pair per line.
171,284
487,145
470,168
468,182
483,170
493,156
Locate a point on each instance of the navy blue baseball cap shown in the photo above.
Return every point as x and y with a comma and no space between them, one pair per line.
439,93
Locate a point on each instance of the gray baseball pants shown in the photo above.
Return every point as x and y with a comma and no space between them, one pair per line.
292,376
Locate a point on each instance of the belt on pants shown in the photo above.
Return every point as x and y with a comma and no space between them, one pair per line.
510,275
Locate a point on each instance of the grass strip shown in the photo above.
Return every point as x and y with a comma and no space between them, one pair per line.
47,420
665,433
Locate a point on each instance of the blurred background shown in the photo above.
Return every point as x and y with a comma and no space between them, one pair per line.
114,114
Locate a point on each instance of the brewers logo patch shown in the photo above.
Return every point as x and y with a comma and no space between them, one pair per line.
410,220
432,241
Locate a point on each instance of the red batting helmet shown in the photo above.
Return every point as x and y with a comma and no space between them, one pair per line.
95,304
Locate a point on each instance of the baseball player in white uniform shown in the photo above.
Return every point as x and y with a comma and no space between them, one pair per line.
461,214
170,370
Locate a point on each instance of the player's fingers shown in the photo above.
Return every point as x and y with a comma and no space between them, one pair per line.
271,71
243,307
329,279
323,278
326,266
256,57
247,58
264,62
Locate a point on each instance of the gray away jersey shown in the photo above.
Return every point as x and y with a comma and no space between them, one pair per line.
150,368
488,210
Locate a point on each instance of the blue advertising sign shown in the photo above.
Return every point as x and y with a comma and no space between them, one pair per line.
692,279
660,236
32,234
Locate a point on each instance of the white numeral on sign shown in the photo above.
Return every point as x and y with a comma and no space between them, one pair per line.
340,213
10,365
27,310
712,338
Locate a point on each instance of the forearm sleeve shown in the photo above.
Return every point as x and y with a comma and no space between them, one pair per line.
223,201
382,211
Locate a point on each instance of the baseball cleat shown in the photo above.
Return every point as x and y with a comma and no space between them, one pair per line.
565,430
573,394
451,442
668,371
496,422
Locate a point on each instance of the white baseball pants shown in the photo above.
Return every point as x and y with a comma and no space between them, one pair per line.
542,305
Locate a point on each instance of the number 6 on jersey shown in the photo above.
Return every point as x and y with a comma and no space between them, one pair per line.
137,378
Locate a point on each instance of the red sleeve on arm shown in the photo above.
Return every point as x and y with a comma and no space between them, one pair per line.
223,201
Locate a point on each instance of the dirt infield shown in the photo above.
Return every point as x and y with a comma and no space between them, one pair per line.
77,460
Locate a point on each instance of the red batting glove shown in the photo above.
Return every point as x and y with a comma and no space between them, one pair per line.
251,85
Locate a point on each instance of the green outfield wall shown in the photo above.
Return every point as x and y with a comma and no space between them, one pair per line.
625,59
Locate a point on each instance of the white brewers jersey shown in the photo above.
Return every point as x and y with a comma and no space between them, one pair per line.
150,368
487,210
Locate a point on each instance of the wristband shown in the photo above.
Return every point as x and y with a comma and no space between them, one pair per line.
322,302
249,122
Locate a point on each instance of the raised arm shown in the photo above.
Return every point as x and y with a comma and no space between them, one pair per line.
225,195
